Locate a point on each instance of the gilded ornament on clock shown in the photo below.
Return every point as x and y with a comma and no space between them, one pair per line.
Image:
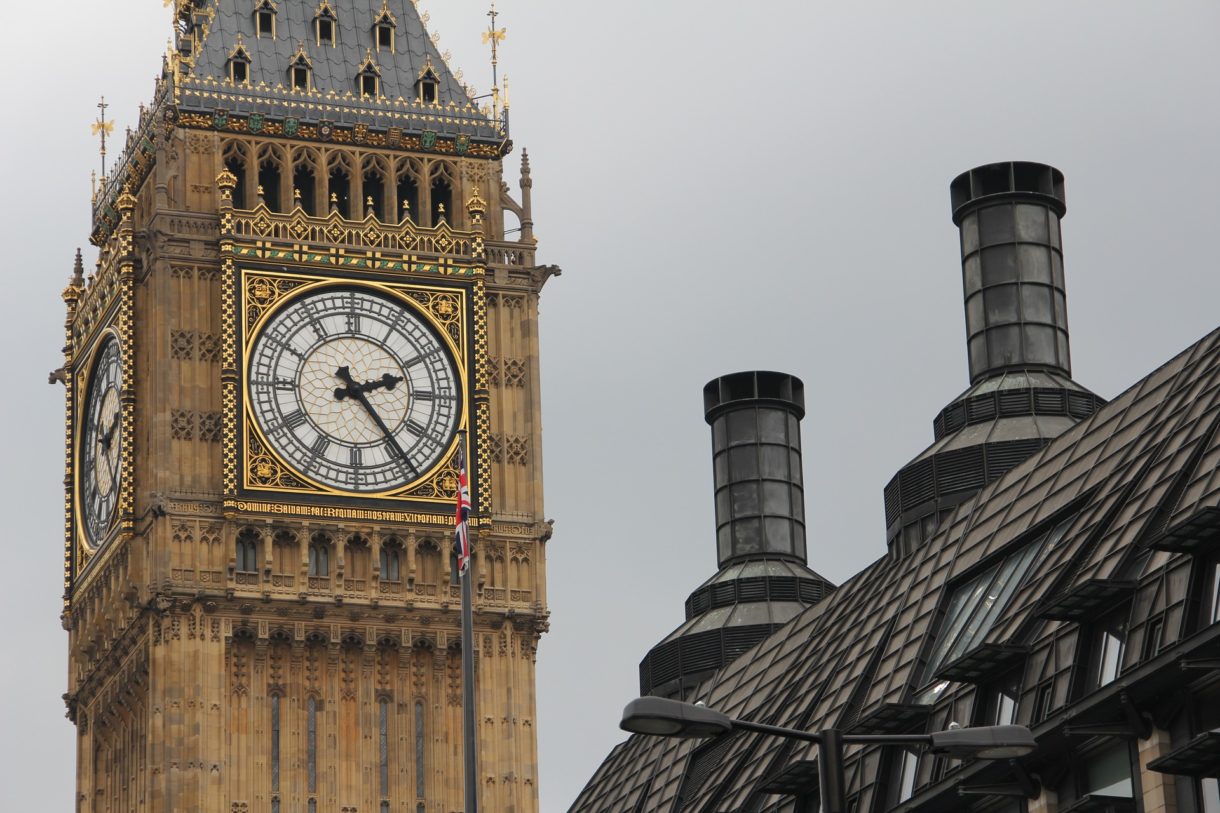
352,388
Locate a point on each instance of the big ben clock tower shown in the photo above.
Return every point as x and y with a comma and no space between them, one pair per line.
304,307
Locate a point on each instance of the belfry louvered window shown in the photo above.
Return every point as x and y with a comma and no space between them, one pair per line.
975,604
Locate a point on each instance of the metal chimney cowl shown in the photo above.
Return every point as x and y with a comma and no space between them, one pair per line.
1022,395
760,520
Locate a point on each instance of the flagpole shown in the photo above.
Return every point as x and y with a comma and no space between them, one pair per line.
469,743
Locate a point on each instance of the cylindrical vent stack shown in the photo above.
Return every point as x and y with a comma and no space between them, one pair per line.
1012,267
756,452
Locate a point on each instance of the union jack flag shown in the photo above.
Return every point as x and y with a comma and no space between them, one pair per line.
461,536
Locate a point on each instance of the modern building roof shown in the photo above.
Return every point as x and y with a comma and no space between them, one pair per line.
1083,526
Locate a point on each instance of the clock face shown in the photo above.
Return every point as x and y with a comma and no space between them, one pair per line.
101,462
353,389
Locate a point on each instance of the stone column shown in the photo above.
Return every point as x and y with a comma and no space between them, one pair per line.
1160,795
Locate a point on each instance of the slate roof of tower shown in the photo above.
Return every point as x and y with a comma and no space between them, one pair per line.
334,68
1134,471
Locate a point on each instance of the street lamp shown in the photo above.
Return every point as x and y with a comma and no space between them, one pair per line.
662,717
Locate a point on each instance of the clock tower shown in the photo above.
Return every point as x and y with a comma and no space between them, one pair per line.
315,302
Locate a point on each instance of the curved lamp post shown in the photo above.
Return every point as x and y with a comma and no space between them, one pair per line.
662,717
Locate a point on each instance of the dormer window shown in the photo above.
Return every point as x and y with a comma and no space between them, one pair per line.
368,80
300,70
368,84
426,85
383,28
300,77
325,24
239,65
264,19
385,37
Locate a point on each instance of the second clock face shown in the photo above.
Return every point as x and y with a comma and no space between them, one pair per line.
353,389
101,459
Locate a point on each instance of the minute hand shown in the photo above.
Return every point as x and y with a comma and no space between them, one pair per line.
353,391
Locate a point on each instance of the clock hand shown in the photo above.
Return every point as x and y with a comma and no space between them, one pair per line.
388,381
108,435
355,392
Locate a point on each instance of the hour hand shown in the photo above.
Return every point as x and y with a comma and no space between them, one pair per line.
344,374
108,435
355,390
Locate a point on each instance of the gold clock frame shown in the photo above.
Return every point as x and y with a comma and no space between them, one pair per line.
258,472
85,549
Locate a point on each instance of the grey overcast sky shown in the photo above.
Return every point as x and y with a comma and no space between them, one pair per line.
727,186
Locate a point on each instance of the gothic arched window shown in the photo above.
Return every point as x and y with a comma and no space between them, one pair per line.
247,551
442,196
356,556
428,563
391,562
319,555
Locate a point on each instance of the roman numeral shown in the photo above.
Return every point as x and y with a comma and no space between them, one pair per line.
421,358
356,457
319,447
315,323
278,383
294,419
424,395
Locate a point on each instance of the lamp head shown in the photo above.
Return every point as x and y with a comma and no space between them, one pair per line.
662,717
985,742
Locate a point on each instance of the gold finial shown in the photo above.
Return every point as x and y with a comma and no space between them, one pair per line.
296,197
103,128
334,201
226,181
495,36
258,191
440,211
406,211
368,206
476,207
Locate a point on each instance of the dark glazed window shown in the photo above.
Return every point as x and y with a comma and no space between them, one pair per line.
264,20
1110,640
383,746
367,84
319,557
312,745
300,76
247,551
420,785
976,604
275,745
385,36
390,564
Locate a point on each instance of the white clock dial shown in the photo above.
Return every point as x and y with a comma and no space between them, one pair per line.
353,389
101,442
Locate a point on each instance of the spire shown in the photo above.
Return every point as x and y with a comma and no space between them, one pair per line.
78,270
527,207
